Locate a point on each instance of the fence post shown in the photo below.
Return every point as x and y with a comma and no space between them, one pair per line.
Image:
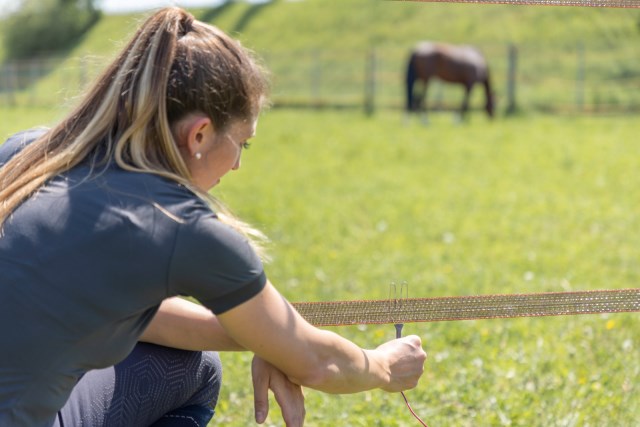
12,82
316,77
6,88
370,82
580,77
34,65
511,79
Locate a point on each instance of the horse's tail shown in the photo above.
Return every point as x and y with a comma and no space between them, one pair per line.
410,80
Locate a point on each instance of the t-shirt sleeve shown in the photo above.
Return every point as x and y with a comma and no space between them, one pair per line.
17,142
214,264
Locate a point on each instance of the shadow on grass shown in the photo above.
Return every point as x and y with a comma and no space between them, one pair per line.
211,14
250,14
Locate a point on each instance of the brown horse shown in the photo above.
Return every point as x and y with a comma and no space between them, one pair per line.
454,64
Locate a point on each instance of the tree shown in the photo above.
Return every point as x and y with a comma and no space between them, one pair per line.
41,27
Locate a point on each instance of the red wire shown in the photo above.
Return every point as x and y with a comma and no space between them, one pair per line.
399,327
411,410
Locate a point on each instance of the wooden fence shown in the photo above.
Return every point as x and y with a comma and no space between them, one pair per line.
524,78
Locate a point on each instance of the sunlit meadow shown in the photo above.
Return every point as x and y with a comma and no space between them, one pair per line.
528,204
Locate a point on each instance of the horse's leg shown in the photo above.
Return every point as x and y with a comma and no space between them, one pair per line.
424,102
416,99
465,102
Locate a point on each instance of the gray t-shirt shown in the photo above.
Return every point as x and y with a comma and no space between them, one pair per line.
84,265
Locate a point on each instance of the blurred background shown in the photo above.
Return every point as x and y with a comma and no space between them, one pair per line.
349,54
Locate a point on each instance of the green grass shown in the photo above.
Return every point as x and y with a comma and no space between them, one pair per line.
526,205
16,119
531,204
356,24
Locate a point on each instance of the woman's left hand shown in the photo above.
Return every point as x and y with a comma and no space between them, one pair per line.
288,395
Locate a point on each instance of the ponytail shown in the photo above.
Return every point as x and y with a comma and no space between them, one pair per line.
173,65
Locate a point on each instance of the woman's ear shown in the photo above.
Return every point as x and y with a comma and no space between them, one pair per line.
198,130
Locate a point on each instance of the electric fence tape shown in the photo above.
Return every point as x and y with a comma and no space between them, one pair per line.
438,309
589,3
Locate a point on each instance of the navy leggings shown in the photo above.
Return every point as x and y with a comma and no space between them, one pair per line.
154,386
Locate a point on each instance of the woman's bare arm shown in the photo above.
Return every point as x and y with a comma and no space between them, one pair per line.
180,323
271,328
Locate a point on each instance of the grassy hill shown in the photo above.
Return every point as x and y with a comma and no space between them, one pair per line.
318,49
357,24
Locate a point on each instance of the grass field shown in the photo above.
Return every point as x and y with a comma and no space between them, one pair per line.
526,205
531,204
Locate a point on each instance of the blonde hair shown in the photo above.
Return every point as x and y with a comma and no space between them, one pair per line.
173,65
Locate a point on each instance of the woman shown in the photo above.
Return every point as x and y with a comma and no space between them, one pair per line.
106,218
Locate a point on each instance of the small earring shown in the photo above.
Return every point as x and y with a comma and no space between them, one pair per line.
198,156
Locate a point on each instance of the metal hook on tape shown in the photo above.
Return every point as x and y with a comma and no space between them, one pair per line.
397,297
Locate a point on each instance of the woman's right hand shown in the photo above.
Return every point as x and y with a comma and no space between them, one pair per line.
405,360
272,329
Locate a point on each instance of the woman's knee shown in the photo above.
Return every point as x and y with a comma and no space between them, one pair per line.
199,372
152,383
206,378
210,376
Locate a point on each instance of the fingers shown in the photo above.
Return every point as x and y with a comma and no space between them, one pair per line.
289,396
406,359
260,379
414,340
417,343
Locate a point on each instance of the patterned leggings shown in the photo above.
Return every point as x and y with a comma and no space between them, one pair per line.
154,386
